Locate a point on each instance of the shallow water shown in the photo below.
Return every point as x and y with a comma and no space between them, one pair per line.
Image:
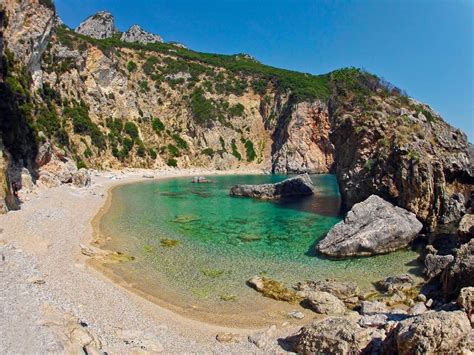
195,246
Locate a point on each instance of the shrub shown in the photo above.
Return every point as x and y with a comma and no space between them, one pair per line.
82,124
180,142
250,151
237,110
157,125
152,153
174,152
208,151
141,150
235,152
143,84
259,87
87,152
131,66
150,64
131,129
172,162
203,110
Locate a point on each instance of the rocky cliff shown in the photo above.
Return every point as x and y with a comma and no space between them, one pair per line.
111,100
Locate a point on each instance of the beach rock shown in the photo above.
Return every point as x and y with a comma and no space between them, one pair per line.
418,308
273,289
199,179
48,180
368,307
137,34
430,333
263,340
377,320
99,26
296,315
335,335
300,185
44,154
371,227
324,302
392,284
460,272
342,290
466,301
466,227
81,178
435,264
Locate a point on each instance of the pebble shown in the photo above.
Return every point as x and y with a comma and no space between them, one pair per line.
296,314
429,303
228,338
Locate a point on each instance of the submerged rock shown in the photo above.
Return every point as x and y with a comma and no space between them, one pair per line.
273,289
300,185
199,179
371,227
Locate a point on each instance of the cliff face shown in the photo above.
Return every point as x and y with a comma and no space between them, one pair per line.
109,103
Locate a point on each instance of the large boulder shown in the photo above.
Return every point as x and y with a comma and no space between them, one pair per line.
323,302
435,264
371,227
430,333
336,335
340,289
81,178
99,26
300,185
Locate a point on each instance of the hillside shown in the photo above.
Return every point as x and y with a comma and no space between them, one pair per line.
110,103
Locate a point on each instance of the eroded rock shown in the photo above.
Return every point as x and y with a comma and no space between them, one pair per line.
324,302
81,178
466,227
99,26
137,34
300,185
371,227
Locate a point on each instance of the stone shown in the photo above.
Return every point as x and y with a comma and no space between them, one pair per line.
273,289
48,180
371,307
81,178
420,298
99,26
418,308
429,303
334,335
454,208
377,320
323,302
435,264
371,227
460,272
199,179
466,299
229,338
296,315
44,154
466,227
342,290
300,185
137,34
396,283
429,333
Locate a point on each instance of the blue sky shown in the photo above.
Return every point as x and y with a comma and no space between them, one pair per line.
423,46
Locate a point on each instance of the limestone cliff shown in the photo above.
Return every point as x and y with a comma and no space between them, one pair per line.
111,103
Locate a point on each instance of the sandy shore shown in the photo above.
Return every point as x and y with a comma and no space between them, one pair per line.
52,300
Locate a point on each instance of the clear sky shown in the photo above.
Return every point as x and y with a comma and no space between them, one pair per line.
422,46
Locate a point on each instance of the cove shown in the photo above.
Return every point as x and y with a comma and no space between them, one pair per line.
195,246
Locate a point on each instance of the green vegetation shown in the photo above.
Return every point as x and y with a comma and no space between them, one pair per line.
237,110
131,66
180,142
235,151
259,87
131,129
213,273
250,151
152,153
82,124
174,152
172,162
203,110
208,151
169,243
157,125
149,66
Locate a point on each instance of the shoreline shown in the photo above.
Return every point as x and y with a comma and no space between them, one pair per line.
41,247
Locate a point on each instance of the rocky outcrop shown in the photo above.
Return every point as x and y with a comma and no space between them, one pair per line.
301,141
466,302
81,178
137,34
335,335
300,185
323,302
435,264
371,227
460,272
99,26
466,227
430,333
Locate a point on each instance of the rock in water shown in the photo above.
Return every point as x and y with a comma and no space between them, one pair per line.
99,26
430,333
138,34
371,227
300,185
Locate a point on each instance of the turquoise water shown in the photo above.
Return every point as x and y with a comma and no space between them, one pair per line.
222,241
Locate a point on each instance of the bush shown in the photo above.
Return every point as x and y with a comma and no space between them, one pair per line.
141,150
237,110
174,152
82,124
250,151
172,162
235,152
131,66
180,142
152,153
208,151
203,109
157,125
150,65
131,129
259,87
